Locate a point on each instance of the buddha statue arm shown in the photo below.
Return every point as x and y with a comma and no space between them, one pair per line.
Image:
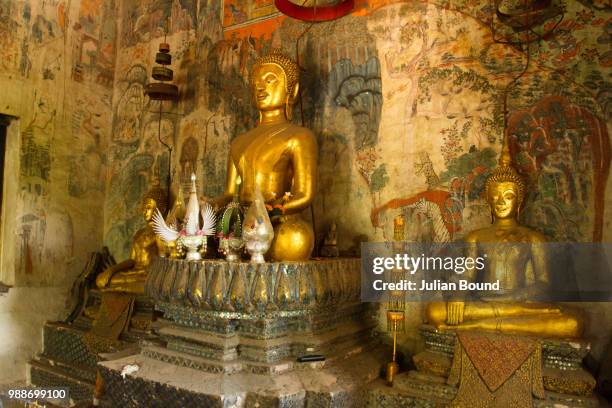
537,287
541,270
471,251
103,278
455,308
304,149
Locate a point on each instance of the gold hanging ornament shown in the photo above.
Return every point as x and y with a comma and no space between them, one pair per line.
396,305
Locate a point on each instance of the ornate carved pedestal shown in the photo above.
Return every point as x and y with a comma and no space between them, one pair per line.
234,331
66,360
566,382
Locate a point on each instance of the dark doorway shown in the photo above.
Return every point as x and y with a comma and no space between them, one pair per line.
4,123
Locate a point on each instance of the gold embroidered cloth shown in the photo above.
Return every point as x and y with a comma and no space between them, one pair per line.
494,370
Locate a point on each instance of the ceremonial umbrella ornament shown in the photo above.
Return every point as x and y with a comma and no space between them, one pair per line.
163,90
315,12
193,236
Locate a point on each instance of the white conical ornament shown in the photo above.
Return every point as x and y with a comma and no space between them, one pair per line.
257,229
192,215
192,237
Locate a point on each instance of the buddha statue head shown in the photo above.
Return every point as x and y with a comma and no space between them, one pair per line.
155,198
148,209
275,82
505,188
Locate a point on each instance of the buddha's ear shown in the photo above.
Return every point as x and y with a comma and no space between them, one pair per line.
294,92
291,100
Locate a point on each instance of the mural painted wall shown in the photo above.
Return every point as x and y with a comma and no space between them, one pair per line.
406,99
56,76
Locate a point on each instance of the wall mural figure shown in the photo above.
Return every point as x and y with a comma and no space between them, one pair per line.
188,160
145,20
359,89
564,150
131,107
93,50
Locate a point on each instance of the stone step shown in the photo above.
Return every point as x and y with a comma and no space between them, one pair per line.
227,348
191,361
342,350
85,373
46,373
161,384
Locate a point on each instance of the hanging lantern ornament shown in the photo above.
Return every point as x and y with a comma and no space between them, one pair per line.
162,90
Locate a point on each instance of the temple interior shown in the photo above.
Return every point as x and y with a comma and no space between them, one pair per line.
188,188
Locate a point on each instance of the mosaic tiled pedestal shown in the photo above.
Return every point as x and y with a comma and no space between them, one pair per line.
67,362
234,332
566,382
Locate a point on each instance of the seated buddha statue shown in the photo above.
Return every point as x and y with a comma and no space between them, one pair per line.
277,156
129,276
516,256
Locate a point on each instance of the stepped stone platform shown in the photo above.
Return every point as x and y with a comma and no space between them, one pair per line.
338,383
238,330
566,383
66,361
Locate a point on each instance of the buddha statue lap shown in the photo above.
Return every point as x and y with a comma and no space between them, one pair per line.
516,256
278,157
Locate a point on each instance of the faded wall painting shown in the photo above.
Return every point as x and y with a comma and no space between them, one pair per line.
58,71
406,100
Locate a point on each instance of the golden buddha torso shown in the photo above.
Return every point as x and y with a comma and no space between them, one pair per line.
508,249
144,248
266,155
277,157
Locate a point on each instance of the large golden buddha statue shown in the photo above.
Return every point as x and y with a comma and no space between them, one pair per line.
516,256
130,275
277,156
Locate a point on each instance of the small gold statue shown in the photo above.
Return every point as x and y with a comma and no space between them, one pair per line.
330,243
277,156
129,276
522,270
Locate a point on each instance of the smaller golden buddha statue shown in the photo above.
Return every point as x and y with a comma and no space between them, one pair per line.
278,157
330,243
516,257
130,275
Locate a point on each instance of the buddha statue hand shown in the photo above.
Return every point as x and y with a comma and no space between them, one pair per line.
454,312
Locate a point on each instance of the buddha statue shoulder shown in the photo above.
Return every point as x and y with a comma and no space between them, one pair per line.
129,276
277,156
515,256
